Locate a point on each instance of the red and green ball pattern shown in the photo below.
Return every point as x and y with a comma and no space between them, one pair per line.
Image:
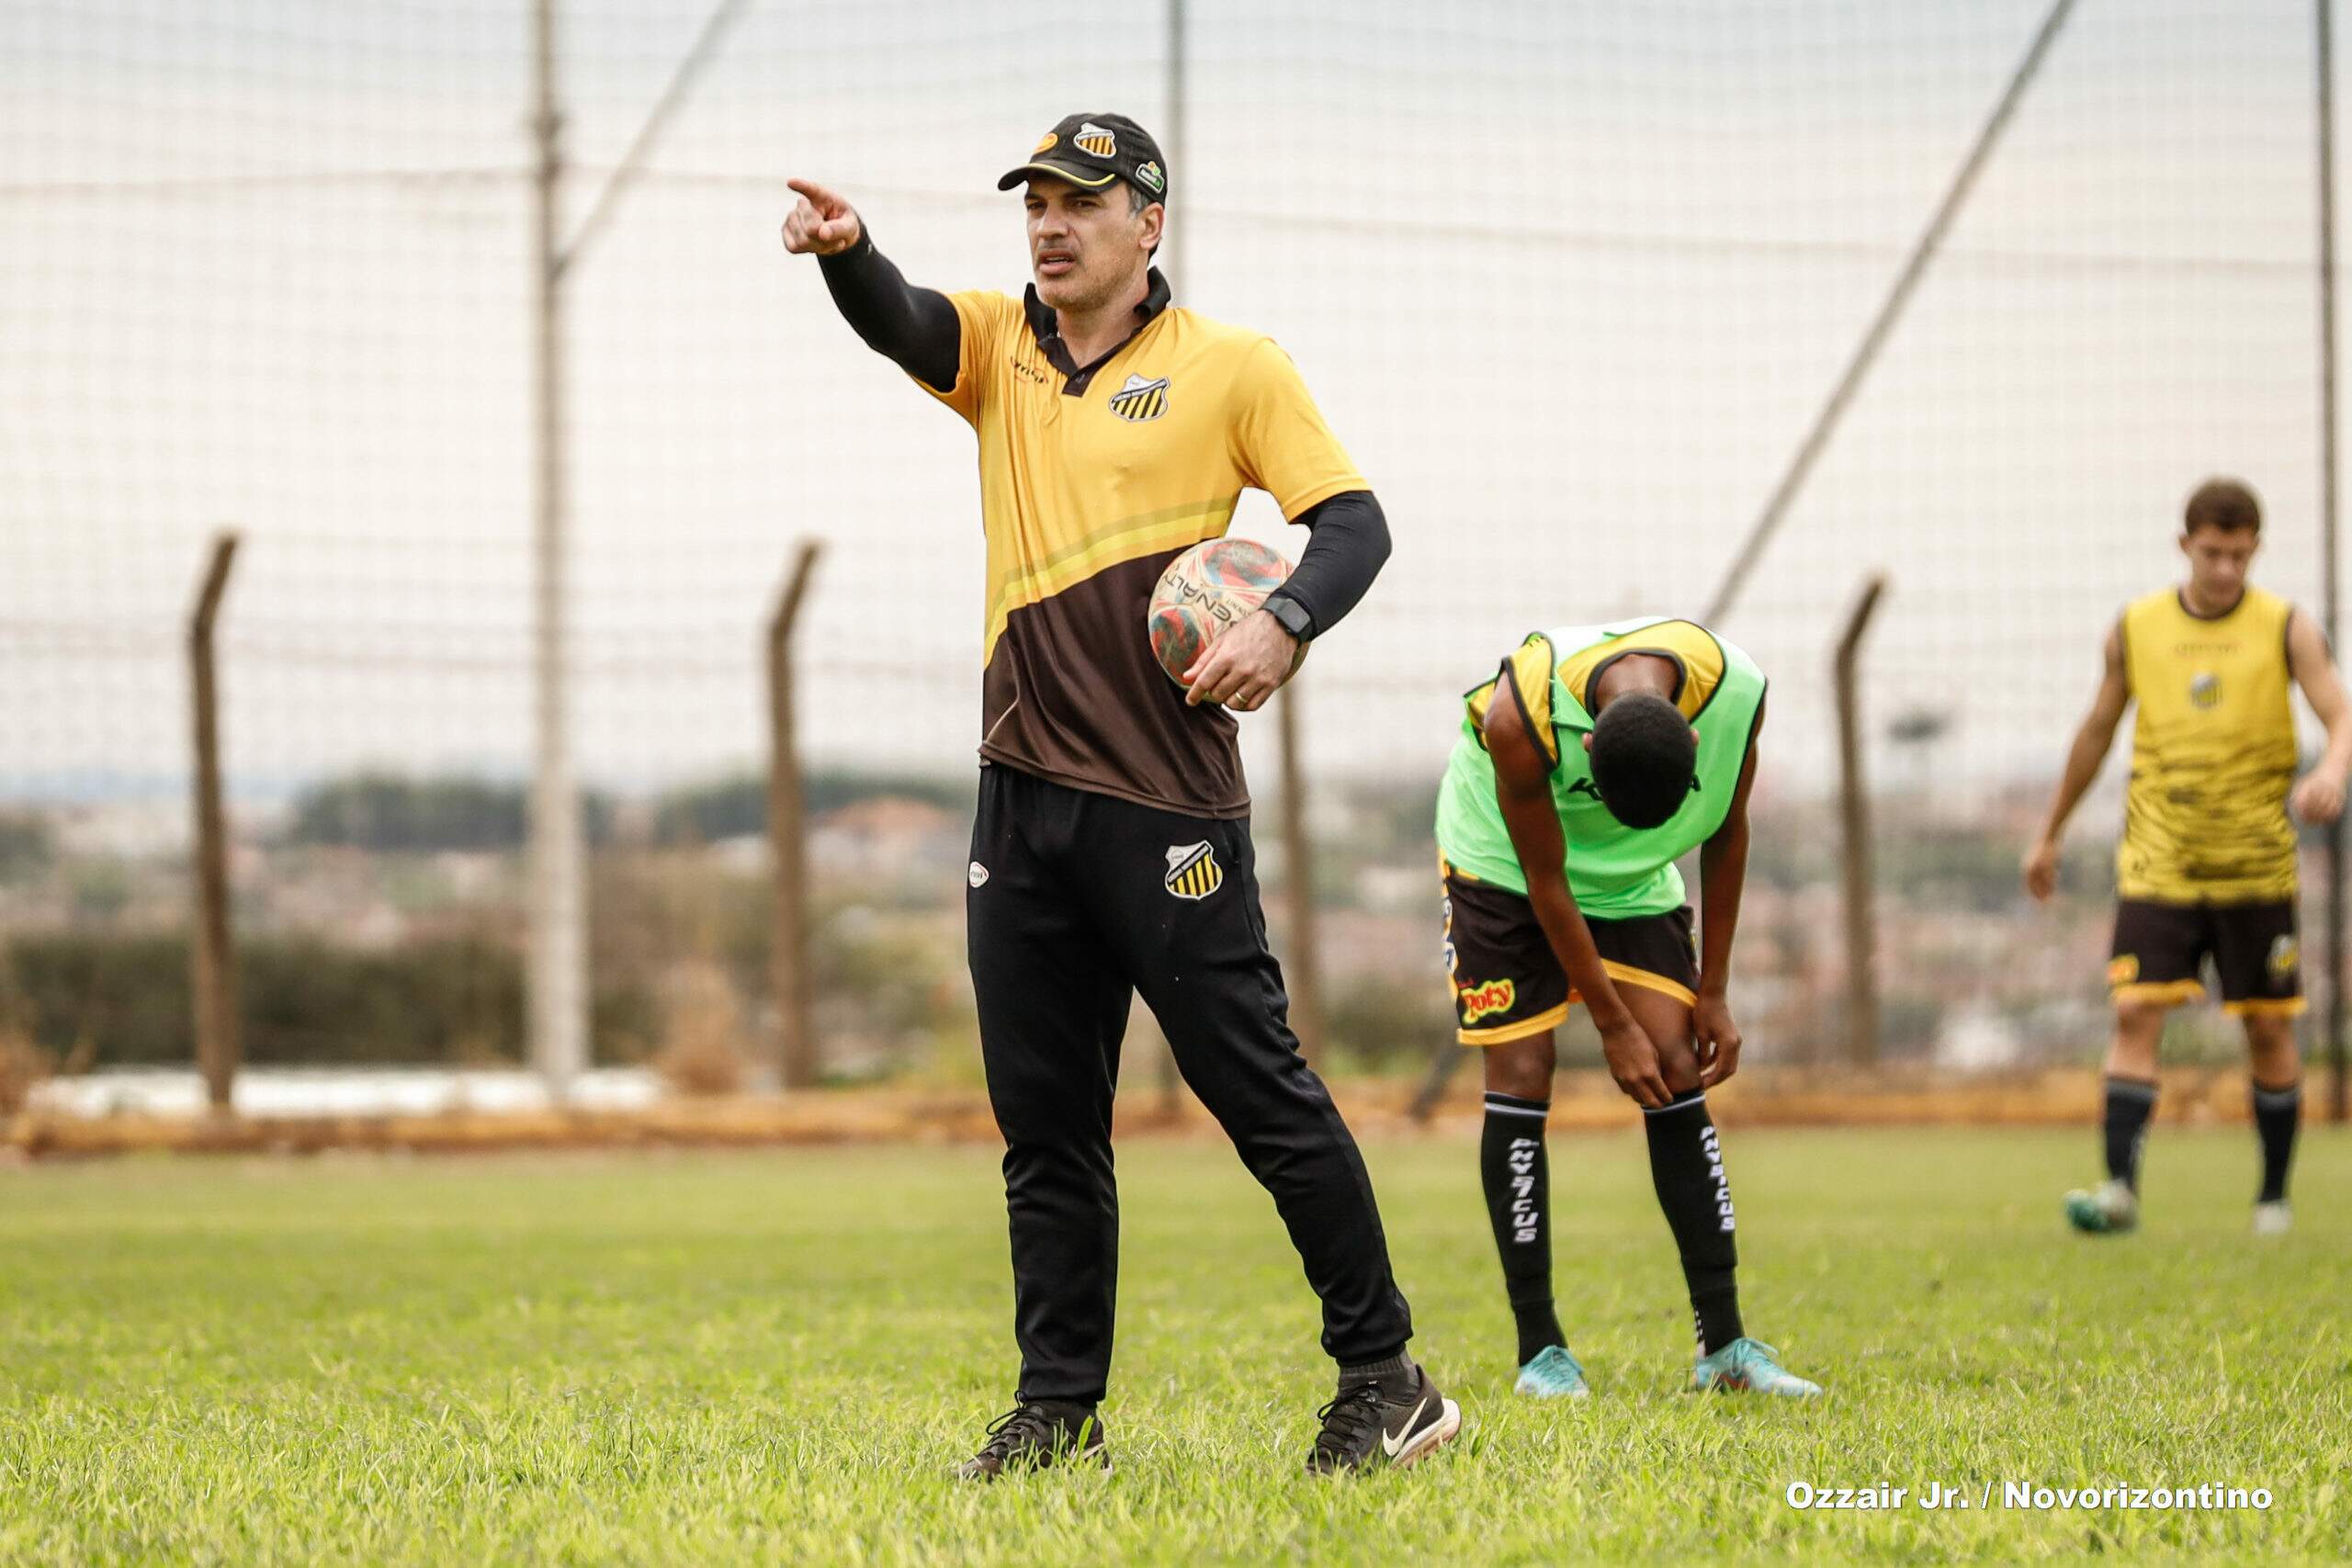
1203,592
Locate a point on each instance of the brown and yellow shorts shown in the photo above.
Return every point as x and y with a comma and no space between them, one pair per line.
2160,952
1508,985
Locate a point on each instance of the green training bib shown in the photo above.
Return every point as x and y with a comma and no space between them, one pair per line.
1614,871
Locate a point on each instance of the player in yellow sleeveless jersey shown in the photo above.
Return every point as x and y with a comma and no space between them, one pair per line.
2206,865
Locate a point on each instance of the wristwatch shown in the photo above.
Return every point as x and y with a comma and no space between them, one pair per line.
1291,615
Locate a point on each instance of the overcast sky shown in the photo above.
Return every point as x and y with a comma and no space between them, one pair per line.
1570,281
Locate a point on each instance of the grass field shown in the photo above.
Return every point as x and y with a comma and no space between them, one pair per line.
776,1357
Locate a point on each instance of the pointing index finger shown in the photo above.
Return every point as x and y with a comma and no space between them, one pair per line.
827,204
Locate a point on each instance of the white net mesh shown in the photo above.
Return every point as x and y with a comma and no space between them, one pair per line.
1570,281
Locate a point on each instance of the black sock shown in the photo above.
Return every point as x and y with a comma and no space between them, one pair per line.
2276,1112
1686,1166
1397,1376
2130,1103
1519,1201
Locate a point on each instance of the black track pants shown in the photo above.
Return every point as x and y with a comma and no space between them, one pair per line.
1078,900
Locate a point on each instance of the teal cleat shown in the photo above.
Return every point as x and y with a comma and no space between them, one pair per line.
2110,1208
1552,1374
1746,1366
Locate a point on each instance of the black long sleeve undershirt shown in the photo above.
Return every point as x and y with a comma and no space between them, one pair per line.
1347,544
914,328
917,329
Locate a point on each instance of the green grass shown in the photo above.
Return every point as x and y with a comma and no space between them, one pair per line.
775,1357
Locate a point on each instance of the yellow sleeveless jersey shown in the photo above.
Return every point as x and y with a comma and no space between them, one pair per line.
2213,753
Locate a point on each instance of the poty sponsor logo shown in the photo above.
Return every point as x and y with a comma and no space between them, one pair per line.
1494,995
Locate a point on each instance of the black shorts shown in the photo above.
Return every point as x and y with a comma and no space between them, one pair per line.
2160,952
1506,982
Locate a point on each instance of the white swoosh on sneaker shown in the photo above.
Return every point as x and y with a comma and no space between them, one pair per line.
1391,1446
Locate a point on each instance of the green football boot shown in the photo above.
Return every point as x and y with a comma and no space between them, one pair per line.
1552,1374
1746,1366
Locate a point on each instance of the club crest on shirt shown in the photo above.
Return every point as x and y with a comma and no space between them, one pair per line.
2204,690
1141,400
1093,139
1193,870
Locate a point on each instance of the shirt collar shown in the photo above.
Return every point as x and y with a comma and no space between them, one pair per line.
1046,326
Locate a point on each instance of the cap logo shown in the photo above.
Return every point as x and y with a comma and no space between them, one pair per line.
1149,176
1046,145
1093,139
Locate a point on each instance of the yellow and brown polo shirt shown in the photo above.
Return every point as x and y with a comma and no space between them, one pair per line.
1092,480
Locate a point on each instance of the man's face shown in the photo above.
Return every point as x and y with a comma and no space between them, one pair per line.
1085,247
2218,560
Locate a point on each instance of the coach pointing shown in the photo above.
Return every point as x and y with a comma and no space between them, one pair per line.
1111,852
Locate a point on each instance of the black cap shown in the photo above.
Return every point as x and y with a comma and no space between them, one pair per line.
1092,149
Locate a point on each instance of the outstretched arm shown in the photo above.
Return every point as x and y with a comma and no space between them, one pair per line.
2320,796
915,328
1523,789
2092,738
1723,876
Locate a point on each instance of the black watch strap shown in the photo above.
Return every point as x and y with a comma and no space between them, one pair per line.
1291,615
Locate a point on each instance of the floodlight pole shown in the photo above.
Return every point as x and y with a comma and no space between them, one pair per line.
558,991
2332,970
1172,1081
558,988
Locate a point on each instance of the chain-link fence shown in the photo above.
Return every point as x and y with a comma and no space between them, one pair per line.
1571,282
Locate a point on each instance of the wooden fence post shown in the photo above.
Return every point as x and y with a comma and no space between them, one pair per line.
214,957
788,839
1306,969
1853,810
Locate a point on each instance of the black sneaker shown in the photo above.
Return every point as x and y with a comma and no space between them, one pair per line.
1035,1437
1389,1420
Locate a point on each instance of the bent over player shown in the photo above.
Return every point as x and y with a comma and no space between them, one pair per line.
1112,852
2206,865
1593,759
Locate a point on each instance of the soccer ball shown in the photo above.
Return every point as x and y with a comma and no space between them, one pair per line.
1204,592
